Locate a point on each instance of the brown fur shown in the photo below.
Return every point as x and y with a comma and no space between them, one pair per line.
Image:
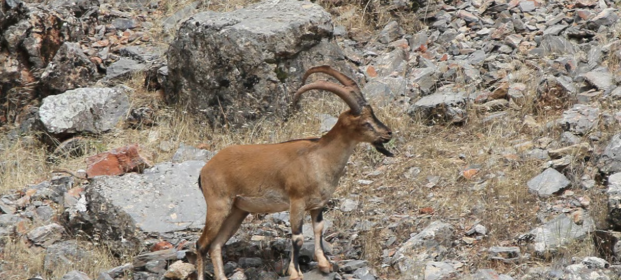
298,176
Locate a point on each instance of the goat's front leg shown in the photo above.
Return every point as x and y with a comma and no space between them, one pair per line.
323,263
297,239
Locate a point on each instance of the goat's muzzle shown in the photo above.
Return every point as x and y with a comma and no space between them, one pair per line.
379,145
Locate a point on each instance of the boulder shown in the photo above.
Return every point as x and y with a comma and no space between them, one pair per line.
186,152
165,198
92,110
245,64
69,69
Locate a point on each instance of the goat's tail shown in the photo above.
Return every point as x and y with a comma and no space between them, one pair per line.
200,187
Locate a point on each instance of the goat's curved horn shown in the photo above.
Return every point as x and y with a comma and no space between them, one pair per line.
326,69
348,96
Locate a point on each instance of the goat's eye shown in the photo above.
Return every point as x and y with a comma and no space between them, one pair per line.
368,125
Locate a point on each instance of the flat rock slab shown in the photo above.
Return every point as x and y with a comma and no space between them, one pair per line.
614,200
93,110
165,198
560,231
547,183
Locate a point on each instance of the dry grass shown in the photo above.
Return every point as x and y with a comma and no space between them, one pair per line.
25,262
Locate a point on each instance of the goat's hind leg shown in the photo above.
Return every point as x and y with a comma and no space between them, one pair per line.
323,263
297,239
217,212
230,226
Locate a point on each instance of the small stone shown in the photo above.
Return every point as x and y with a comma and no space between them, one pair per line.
179,270
349,205
505,254
351,266
547,183
46,235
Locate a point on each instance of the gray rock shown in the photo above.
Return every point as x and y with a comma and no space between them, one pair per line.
69,69
610,160
142,260
142,54
104,276
601,79
171,23
327,122
606,17
505,254
442,106
231,60
349,205
64,254
78,7
391,63
547,183
391,32
489,274
124,23
595,262
92,110
569,138
424,78
614,200
46,235
430,244
185,153
351,266
558,232
556,45
75,275
250,262
580,119
555,30
124,68
170,184
385,90
527,6
364,273
8,223
439,270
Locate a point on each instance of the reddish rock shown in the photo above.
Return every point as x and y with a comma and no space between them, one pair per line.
117,162
162,245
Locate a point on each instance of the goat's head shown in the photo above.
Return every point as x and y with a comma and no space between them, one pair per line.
360,122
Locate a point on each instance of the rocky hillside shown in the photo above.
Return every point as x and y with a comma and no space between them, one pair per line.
506,118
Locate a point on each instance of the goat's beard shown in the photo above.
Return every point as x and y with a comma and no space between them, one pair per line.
379,146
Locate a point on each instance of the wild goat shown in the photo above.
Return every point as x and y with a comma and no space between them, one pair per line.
298,175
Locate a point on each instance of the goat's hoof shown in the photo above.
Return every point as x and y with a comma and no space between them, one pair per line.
326,269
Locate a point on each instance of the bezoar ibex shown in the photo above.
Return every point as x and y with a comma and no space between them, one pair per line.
298,175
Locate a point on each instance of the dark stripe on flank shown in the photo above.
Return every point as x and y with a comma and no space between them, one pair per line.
305,139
